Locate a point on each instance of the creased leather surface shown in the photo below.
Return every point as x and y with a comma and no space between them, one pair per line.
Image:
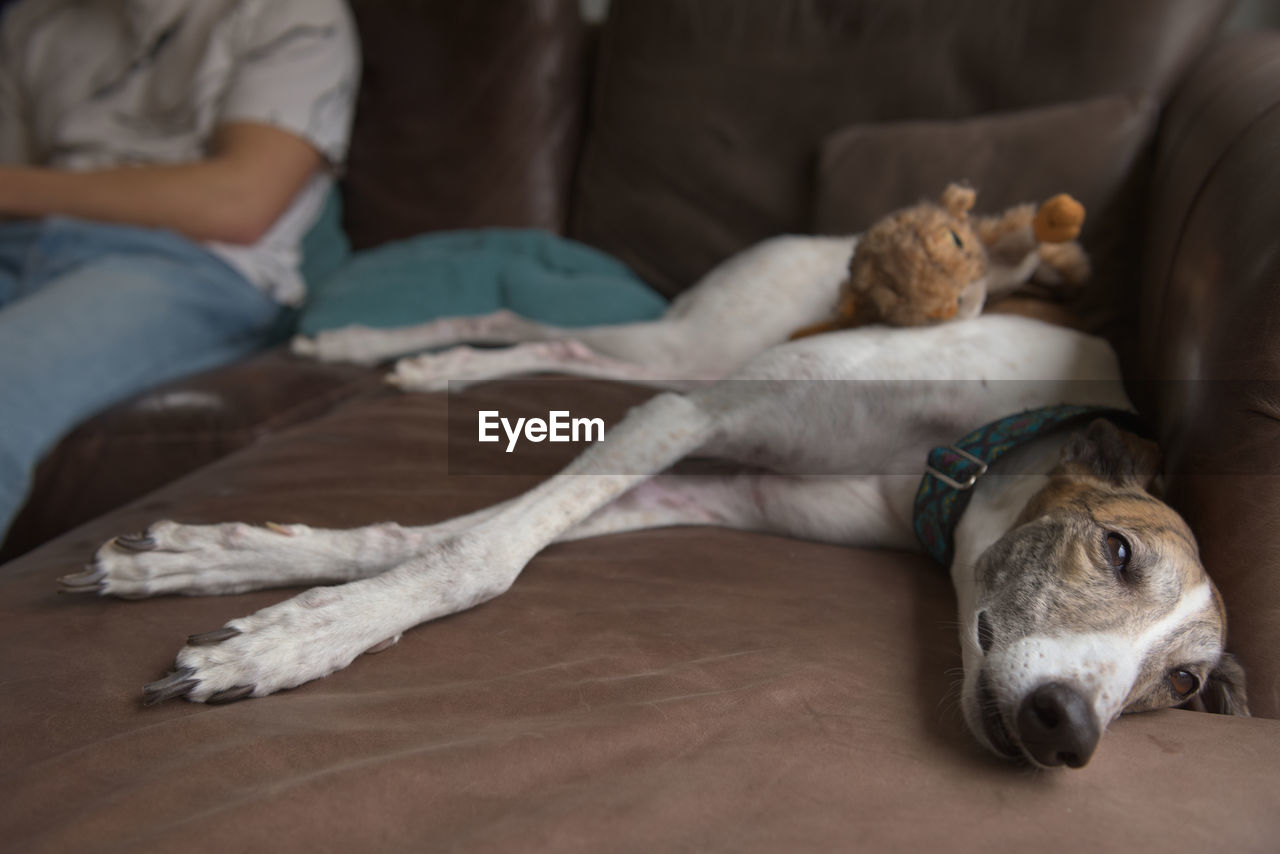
707,114
469,115
670,690
1212,311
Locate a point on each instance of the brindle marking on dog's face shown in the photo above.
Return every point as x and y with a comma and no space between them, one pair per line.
1099,586
1053,576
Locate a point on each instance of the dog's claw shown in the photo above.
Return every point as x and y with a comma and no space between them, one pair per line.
88,581
176,684
230,695
135,542
213,637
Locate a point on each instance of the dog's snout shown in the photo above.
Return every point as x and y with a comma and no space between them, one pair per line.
1056,726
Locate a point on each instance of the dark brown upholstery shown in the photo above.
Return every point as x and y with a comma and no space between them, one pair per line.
1212,308
708,112
1091,149
469,115
1085,148
698,689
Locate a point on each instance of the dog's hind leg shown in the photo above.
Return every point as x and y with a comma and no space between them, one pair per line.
365,345
326,628
463,366
648,352
647,341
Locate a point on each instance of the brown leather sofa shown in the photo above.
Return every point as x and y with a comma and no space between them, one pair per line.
686,689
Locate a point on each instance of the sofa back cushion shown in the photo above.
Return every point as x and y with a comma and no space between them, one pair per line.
708,114
469,114
1090,149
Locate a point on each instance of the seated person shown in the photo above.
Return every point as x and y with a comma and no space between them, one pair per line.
160,161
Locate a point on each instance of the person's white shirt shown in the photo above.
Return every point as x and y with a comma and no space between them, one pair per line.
92,84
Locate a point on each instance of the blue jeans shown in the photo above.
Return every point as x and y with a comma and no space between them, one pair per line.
91,314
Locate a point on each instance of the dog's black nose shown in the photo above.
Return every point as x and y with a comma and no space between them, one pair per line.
1056,726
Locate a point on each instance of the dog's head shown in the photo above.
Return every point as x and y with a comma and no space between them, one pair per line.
1095,603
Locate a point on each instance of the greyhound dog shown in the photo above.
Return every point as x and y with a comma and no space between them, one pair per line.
1081,595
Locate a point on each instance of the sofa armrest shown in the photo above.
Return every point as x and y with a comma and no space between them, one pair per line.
1211,312
1214,186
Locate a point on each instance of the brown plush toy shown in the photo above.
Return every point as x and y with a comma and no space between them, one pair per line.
931,263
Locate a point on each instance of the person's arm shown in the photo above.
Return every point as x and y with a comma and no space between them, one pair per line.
249,179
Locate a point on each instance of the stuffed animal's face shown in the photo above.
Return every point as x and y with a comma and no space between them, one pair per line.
911,268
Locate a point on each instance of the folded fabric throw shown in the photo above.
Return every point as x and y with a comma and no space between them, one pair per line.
455,273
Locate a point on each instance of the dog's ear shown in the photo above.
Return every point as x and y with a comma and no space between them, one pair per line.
1105,451
1224,691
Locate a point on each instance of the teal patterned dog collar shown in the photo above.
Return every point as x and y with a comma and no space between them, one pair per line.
952,471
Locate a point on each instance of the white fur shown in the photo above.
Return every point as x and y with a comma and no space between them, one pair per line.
1103,665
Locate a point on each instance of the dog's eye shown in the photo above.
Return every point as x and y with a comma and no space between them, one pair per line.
1184,684
1118,551
955,238
986,637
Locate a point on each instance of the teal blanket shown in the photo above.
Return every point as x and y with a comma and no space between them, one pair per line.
534,273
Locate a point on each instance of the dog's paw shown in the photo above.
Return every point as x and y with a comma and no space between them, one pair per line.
301,639
190,559
301,345
434,371
356,344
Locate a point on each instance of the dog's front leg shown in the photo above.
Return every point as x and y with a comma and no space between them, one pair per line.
233,557
324,629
